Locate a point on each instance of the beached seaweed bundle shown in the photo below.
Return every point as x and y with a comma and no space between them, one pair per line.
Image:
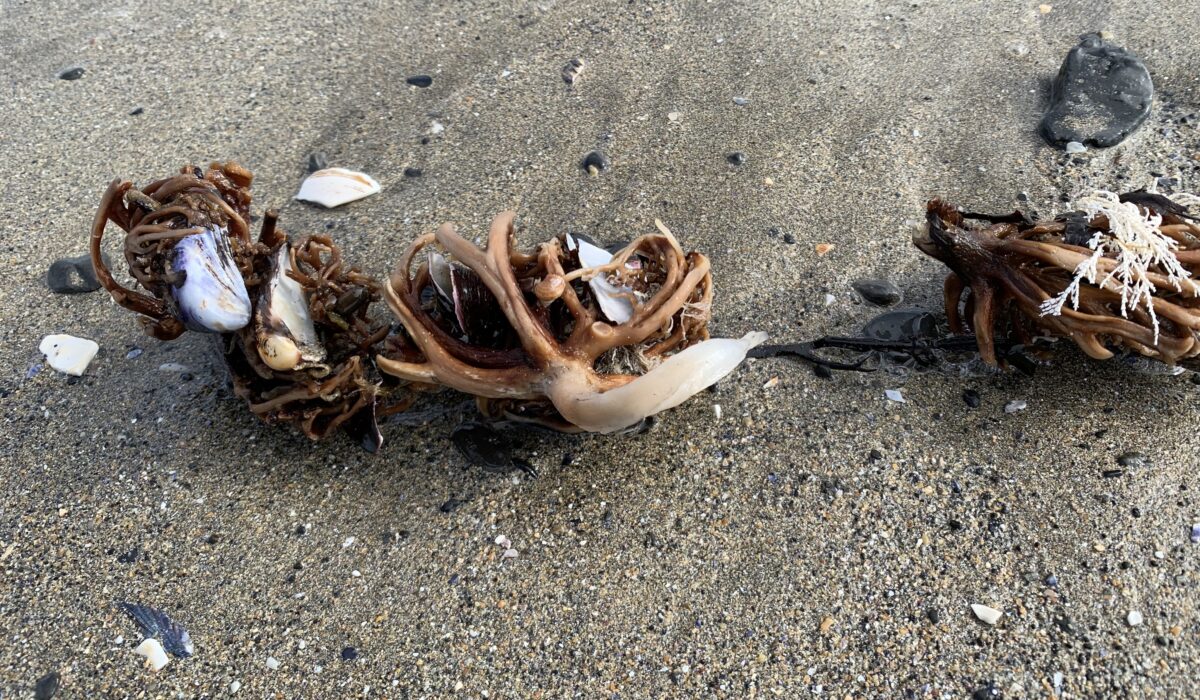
1117,273
569,336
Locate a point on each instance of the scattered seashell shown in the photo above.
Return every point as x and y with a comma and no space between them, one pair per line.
613,303
1134,618
674,116
156,658
333,187
989,615
212,297
823,249
155,623
272,663
1075,147
68,354
234,687
1015,406
503,541
741,101
771,383
571,71
509,554
283,327
172,367
47,686
894,395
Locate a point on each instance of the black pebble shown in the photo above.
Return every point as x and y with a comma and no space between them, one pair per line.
736,158
1101,95
971,397
987,691
595,162
412,172
72,73
46,686
933,615
450,506
789,238
822,371
875,456
136,111
130,556
878,292
1112,473
421,81
72,276
349,654
317,161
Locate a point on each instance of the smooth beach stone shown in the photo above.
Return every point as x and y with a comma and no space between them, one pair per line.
72,275
1101,95
878,292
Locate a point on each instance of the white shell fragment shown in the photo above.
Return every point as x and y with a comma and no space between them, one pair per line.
1134,618
672,382
212,297
287,338
68,354
894,395
988,615
613,301
333,187
156,657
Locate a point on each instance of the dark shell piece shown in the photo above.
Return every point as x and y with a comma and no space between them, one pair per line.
596,162
479,315
73,275
317,161
1157,203
1101,95
155,623
1078,230
364,427
483,447
47,686
72,73
421,81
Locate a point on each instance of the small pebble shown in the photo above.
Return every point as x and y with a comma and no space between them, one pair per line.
72,276
349,654
72,73
822,249
412,172
674,116
971,398
878,292
234,687
571,71
172,367
595,163
989,615
1075,147
1052,581
136,111
789,238
736,158
741,101
421,81
1133,460
1195,535
509,554
503,541
272,663
1134,618
1015,405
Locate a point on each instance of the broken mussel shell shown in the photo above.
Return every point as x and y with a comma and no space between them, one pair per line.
286,337
209,294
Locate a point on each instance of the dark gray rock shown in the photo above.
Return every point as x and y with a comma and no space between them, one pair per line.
72,73
596,162
72,276
317,161
1101,95
878,292
421,81
902,324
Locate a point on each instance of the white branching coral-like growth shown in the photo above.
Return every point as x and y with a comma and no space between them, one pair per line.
1134,240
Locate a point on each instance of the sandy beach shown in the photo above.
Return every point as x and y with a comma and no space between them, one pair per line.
810,539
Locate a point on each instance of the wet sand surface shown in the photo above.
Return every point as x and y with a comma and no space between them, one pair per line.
815,539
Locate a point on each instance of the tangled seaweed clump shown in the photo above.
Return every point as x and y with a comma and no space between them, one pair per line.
1116,274
567,336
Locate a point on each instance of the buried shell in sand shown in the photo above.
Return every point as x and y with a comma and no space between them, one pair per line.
567,336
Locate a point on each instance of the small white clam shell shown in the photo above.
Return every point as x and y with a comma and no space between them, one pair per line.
987,614
68,354
333,187
156,657
615,306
